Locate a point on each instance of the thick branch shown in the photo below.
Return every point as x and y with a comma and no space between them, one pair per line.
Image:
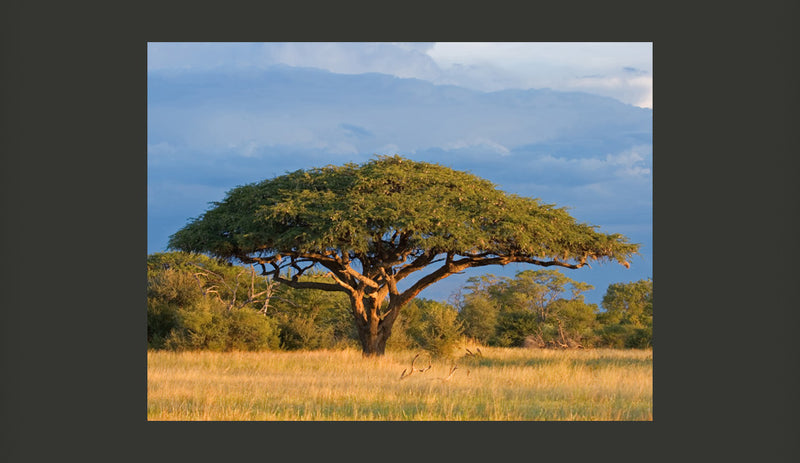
474,261
417,264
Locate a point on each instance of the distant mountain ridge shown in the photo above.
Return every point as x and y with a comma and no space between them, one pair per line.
410,114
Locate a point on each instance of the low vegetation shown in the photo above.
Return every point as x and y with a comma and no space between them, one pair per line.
195,302
479,384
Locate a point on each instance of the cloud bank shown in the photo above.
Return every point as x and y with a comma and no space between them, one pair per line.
618,70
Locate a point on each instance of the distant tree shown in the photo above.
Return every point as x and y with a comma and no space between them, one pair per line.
536,291
629,303
373,225
479,315
627,319
543,307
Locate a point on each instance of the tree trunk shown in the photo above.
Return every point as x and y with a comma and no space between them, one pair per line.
373,332
373,343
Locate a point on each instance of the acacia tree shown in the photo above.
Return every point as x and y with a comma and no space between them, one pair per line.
373,225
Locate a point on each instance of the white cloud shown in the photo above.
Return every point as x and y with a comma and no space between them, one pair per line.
618,70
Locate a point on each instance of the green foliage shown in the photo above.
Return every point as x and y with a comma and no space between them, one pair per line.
542,307
179,278
403,331
250,330
353,207
162,318
578,321
514,326
313,319
209,325
191,305
629,303
479,316
628,316
200,326
438,329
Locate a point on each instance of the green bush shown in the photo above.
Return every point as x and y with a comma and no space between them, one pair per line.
209,325
173,286
162,318
200,326
438,329
303,332
615,336
640,338
401,338
513,326
479,315
250,330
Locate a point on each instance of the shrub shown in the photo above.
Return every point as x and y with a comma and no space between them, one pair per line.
614,336
302,332
173,286
479,317
439,331
406,324
209,325
513,326
162,318
640,338
200,326
250,330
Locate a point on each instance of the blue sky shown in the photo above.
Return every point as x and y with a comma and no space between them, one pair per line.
569,123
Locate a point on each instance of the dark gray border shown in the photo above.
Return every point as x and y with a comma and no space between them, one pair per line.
74,192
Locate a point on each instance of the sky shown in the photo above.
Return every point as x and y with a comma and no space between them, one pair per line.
569,123
623,71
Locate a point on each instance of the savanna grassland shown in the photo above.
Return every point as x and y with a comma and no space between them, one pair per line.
341,385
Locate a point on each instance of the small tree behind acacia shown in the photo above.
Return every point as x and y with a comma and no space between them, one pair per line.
372,226
628,314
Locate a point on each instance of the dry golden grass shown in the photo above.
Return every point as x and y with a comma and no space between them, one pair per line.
504,384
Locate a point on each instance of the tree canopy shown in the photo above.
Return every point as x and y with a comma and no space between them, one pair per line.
372,225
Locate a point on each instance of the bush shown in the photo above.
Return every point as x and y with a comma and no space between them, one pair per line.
621,336
438,331
209,325
302,332
514,326
173,286
250,330
479,317
162,318
640,338
200,326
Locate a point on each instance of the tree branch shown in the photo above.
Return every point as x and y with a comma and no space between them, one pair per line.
417,264
474,261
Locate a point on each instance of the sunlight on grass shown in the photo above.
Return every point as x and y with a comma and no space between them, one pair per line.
504,384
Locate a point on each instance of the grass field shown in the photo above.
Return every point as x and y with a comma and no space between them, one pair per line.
503,384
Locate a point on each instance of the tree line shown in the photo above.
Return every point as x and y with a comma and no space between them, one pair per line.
196,302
